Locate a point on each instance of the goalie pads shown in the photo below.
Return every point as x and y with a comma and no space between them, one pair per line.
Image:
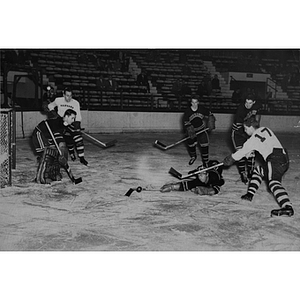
211,122
48,169
191,132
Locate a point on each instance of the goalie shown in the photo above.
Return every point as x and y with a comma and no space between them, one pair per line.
205,183
49,160
195,119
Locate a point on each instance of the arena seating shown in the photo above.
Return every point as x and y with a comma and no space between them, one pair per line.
67,68
80,69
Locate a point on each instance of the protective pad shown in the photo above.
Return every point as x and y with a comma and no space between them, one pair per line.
48,168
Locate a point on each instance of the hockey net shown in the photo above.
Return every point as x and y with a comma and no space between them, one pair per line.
6,131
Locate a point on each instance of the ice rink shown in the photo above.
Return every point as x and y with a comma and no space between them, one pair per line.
95,215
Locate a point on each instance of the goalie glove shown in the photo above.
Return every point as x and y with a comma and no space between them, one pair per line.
203,190
191,132
63,161
77,125
211,122
228,161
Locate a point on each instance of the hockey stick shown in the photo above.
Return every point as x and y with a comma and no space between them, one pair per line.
99,143
67,168
138,189
175,173
162,146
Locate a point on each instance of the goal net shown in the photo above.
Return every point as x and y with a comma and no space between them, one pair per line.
6,132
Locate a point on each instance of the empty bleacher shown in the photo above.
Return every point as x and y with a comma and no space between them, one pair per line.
81,68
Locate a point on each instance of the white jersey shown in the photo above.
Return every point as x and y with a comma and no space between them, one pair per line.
263,140
62,105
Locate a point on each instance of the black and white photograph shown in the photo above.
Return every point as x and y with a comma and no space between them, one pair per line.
146,155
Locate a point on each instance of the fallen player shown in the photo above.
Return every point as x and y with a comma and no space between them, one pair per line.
205,183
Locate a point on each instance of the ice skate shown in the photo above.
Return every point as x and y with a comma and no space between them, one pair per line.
284,211
247,197
192,160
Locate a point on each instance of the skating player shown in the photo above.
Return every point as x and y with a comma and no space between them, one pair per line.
74,135
205,183
276,163
194,120
246,109
49,160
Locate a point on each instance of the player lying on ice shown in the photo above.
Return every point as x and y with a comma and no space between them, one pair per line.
276,163
205,183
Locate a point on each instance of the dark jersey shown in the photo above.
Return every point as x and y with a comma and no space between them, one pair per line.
196,118
242,114
56,125
215,181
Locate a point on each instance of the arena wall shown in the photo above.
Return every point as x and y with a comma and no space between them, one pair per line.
116,122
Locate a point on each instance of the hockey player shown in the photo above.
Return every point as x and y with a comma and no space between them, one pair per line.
74,135
194,120
276,163
246,109
205,183
49,160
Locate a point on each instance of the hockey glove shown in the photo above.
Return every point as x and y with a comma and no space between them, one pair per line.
63,161
191,132
73,156
83,161
170,187
228,161
203,190
77,125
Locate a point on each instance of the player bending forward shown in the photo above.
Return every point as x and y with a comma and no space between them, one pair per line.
49,160
205,183
248,109
276,163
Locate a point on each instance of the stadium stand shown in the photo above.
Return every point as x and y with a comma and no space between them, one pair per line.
173,75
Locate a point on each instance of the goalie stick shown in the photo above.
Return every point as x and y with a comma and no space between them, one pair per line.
67,168
99,143
162,146
178,175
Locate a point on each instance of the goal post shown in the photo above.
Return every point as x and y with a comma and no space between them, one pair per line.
7,157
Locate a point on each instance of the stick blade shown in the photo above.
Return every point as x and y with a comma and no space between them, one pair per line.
129,192
110,143
160,145
77,180
175,173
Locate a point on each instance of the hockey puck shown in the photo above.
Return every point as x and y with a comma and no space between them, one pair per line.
139,189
